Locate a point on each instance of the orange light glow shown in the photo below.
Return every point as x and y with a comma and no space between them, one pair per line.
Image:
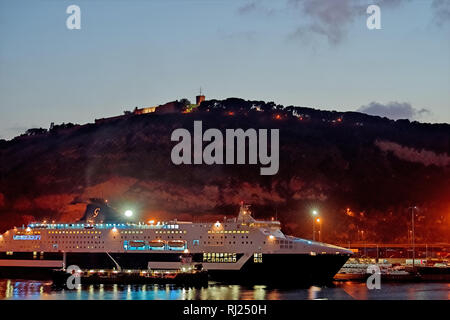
318,220
278,117
231,113
271,237
151,221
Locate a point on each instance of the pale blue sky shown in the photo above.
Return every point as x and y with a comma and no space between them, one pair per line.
142,53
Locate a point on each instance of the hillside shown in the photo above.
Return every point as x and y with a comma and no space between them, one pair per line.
361,172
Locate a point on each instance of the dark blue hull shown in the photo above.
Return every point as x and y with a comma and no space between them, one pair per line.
274,269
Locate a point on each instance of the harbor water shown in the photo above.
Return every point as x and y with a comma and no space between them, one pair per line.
16,289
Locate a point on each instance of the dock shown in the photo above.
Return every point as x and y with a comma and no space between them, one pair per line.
195,278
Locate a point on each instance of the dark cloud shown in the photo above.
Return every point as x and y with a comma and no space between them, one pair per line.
331,18
393,110
441,11
255,7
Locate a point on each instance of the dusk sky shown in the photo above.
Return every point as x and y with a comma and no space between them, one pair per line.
293,52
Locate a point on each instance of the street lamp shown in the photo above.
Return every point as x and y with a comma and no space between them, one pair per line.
319,221
314,213
128,213
412,235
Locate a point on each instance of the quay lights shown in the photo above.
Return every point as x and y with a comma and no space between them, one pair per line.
114,229
151,221
128,213
28,229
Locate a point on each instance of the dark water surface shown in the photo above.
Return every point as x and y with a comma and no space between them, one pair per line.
43,290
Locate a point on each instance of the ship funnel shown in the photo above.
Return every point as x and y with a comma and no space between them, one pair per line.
245,215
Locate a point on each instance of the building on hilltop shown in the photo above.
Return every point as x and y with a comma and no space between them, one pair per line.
144,110
169,107
200,98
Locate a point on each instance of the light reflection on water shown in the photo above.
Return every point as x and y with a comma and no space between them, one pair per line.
43,290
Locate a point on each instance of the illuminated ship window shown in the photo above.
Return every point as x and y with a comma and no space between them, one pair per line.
221,257
257,258
27,237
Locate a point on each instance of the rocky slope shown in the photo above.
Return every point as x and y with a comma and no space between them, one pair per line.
361,172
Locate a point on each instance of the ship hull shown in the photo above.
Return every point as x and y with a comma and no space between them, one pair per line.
293,269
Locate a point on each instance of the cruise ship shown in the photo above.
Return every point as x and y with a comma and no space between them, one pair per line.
241,248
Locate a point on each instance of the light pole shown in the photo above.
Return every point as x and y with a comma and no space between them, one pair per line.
319,221
314,213
412,235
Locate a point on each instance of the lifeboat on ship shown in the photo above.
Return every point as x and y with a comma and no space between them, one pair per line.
137,244
177,244
156,244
